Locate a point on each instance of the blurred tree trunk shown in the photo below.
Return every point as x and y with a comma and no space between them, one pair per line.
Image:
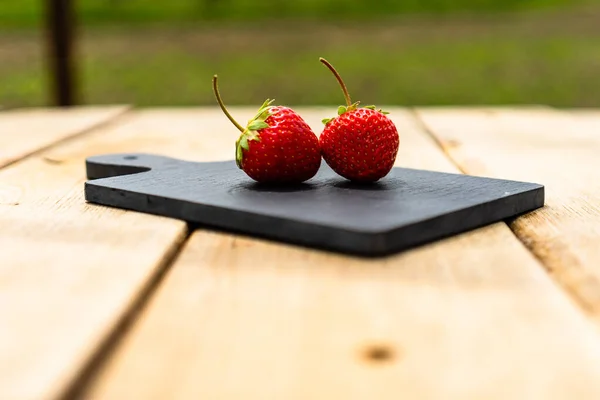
59,24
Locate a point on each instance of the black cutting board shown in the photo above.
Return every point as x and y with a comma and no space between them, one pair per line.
408,207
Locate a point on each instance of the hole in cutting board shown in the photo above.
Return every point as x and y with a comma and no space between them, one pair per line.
130,157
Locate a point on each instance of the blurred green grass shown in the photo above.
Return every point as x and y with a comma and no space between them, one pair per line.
19,13
534,56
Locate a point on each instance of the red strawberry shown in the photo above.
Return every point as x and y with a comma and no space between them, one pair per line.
277,145
359,144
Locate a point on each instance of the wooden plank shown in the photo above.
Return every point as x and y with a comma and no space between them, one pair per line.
69,271
558,149
25,131
471,317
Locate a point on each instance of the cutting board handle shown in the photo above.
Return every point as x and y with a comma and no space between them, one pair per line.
109,165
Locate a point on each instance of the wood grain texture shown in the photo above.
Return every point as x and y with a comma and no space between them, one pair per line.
24,131
558,149
68,270
471,317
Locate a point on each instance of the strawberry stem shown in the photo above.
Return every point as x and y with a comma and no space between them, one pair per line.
339,79
220,101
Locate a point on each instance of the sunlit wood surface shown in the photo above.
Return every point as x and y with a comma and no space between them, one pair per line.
101,303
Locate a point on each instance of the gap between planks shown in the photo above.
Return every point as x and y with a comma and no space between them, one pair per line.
121,327
513,144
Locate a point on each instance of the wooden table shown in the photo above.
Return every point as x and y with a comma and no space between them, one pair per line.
100,303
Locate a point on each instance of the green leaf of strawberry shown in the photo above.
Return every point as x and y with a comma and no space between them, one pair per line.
251,132
257,125
243,141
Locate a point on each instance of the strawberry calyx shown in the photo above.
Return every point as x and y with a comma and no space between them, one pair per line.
251,132
344,109
350,106
341,110
375,109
